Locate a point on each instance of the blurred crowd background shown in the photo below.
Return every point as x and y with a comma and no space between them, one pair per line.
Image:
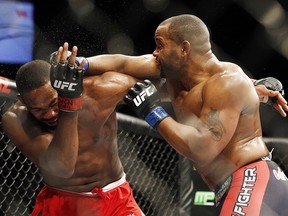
253,34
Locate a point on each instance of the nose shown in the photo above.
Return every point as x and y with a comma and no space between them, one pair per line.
155,53
50,113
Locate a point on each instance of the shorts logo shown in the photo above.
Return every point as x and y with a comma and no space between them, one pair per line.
279,174
244,196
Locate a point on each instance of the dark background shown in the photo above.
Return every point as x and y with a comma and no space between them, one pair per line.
251,33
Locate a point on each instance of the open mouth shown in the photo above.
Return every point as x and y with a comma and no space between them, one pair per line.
157,61
52,122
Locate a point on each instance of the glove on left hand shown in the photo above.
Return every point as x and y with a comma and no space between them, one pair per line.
68,81
272,84
78,60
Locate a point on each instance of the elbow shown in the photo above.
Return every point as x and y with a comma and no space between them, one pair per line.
197,159
58,169
64,172
201,156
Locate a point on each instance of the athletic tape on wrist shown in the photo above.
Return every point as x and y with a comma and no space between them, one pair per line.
80,59
86,65
155,116
69,104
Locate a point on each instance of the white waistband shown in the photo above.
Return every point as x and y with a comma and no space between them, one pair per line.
115,184
111,185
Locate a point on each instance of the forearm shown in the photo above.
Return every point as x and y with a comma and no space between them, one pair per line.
194,139
191,142
103,63
143,66
61,155
63,149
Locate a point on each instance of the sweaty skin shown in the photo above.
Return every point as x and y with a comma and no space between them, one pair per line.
217,128
219,135
94,154
216,106
217,122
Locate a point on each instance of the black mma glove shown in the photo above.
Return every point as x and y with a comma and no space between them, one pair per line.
271,83
144,99
78,60
68,81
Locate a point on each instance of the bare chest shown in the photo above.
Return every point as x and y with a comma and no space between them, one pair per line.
95,112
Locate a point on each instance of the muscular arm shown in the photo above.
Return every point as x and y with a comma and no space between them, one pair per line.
60,157
144,66
140,67
109,89
53,152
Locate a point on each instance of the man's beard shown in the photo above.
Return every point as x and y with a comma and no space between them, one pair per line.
162,74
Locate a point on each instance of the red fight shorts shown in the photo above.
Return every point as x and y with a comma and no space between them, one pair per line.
115,199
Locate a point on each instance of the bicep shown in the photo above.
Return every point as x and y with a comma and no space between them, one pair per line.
221,121
220,112
111,88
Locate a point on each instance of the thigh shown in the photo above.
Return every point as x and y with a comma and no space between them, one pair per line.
275,199
247,190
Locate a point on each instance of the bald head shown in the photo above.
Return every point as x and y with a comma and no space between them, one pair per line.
190,28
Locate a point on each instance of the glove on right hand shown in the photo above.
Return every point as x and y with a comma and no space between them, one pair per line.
144,99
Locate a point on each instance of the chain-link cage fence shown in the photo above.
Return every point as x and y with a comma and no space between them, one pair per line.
151,166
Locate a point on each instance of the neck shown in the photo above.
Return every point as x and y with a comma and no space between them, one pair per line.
200,68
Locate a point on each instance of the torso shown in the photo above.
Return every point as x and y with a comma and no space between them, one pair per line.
98,162
245,146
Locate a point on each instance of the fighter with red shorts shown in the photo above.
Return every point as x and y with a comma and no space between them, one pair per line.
66,125
114,199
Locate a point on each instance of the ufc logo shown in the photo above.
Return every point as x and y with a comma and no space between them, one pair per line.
62,85
139,99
